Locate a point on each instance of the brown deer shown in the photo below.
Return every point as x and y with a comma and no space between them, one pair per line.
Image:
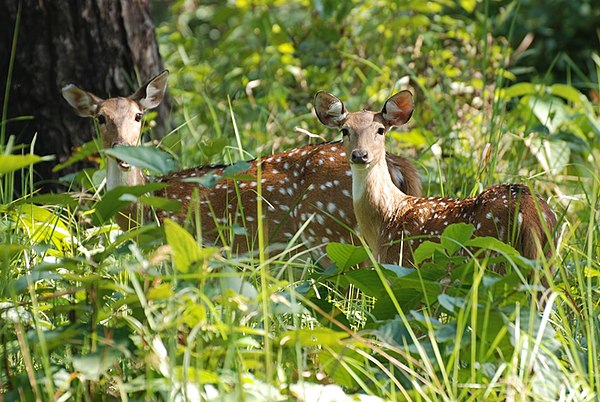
295,184
387,216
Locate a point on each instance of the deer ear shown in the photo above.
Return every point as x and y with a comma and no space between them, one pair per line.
398,109
330,110
151,94
84,103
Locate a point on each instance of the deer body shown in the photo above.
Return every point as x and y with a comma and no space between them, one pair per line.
295,184
393,223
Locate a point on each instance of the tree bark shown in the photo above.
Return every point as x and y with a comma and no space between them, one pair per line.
107,47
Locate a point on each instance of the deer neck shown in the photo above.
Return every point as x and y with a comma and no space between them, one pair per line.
376,201
117,176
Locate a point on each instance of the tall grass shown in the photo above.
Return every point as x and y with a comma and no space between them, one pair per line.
90,312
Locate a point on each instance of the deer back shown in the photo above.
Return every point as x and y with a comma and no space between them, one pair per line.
311,182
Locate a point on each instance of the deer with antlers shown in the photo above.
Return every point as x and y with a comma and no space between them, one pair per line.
394,223
311,181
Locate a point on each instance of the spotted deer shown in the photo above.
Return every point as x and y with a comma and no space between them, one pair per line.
295,185
394,223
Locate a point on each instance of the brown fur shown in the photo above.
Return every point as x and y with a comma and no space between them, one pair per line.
314,179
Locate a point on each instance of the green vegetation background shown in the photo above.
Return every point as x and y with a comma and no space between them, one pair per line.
93,314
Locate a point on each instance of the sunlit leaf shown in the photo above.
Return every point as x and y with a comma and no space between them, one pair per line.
456,235
346,255
520,89
569,93
491,243
10,163
554,155
426,250
160,292
186,252
313,337
44,226
550,111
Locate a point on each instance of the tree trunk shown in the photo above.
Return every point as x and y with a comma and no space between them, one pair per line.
107,47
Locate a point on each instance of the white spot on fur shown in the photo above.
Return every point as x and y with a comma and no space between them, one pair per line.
331,207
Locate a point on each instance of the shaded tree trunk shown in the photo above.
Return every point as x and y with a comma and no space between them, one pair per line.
107,47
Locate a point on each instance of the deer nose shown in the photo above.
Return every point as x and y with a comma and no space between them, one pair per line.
360,156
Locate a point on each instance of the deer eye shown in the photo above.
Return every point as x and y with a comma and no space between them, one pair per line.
138,116
381,131
101,119
344,131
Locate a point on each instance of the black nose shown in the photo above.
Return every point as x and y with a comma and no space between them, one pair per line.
359,156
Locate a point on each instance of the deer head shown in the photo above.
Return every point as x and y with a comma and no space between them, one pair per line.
120,121
364,131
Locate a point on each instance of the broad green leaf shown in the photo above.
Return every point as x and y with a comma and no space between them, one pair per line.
10,163
591,273
113,201
520,89
143,157
193,315
166,204
313,337
238,167
456,235
23,282
149,232
186,252
430,287
62,199
550,111
397,270
44,226
491,243
330,363
393,332
366,280
409,291
346,255
569,93
160,292
207,180
447,332
58,338
8,251
452,304
196,375
426,250
553,155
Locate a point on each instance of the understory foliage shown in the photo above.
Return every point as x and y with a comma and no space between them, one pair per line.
89,312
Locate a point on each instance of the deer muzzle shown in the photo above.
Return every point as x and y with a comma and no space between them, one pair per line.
360,157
